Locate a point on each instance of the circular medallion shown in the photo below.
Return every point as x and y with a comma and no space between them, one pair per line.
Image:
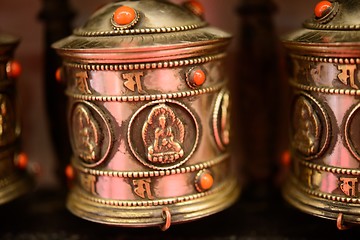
222,120
310,127
352,133
89,133
163,134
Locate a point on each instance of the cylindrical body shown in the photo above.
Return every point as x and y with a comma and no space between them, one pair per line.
13,181
325,118
148,115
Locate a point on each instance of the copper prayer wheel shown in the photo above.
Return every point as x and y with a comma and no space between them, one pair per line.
149,115
325,119
14,181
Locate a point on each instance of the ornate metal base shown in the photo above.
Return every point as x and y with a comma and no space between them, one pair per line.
14,187
349,212
155,213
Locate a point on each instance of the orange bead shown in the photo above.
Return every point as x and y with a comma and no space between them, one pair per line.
206,181
199,77
124,15
196,7
323,8
286,158
69,172
58,74
13,69
22,161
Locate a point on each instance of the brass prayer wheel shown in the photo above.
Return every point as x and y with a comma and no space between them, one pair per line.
14,180
148,115
325,116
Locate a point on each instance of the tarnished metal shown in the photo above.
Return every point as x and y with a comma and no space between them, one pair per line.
325,133
149,115
13,180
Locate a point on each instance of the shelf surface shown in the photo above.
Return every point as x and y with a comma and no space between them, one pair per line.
42,215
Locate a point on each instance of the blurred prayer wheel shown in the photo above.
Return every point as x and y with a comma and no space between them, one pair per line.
325,120
13,179
149,115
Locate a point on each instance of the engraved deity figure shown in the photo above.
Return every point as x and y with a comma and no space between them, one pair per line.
307,128
163,134
85,135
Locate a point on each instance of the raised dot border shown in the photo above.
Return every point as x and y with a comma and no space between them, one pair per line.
330,169
140,31
327,90
146,66
155,173
144,97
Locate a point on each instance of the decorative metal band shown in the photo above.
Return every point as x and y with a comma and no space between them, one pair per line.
328,196
332,27
141,31
120,203
145,97
327,59
330,169
351,92
143,174
145,66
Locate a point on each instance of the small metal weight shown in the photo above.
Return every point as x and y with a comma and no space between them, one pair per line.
14,181
325,120
149,115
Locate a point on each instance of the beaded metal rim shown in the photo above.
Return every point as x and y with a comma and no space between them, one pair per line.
161,173
145,66
327,90
140,31
330,169
153,97
327,59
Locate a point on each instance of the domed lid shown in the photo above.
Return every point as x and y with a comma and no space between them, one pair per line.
135,30
7,45
334,29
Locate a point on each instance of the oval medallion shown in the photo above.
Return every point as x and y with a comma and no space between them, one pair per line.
221,120
310,127
90,134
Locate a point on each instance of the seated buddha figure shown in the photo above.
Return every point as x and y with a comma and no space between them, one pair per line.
85,135
163,134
